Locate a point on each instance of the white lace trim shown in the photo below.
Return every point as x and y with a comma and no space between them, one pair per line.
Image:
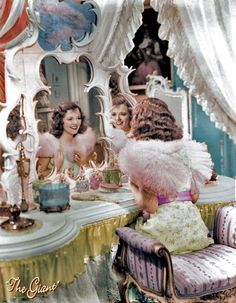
180,50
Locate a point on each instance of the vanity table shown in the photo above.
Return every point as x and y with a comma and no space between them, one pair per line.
64,246
60,245
73,247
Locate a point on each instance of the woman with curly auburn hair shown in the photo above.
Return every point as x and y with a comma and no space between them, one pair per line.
153,120
165,171
69,142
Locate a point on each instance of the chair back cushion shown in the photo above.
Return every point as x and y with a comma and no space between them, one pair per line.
145,268
140,261
225,226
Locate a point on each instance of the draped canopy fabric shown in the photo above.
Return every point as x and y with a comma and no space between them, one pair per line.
202,43
118,28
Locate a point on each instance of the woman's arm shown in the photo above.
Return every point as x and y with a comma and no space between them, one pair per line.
144,200
195,197
84,160
42,167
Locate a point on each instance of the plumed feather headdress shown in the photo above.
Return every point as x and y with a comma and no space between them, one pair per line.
163,167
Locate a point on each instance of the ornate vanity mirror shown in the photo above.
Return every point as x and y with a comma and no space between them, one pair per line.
66,83
67,51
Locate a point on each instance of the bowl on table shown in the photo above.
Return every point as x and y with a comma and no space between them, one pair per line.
54,197
111,180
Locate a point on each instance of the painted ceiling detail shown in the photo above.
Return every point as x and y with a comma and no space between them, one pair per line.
66,23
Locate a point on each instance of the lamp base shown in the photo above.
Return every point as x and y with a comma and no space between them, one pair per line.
17,225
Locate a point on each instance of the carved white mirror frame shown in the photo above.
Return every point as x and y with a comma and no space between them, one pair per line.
23,78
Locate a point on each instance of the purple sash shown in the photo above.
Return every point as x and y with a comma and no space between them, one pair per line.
182,196
163,199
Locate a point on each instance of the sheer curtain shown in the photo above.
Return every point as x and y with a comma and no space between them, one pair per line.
202,43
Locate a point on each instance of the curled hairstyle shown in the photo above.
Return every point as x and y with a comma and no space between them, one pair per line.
122,99
153,120
59,113
14,123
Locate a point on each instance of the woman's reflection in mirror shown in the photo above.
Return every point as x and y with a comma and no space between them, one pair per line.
13,132
42,96
69,143
121,113
43,105
14,124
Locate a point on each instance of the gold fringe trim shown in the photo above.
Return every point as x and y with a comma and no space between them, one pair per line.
67,262
208,212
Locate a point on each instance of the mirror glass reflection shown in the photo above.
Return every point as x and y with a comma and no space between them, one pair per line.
68,125
14,130
121,113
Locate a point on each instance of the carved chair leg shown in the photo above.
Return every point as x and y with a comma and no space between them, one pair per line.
228,296
122,288
127,283
146,298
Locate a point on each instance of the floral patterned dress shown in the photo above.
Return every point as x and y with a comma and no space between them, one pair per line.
178,225
168,168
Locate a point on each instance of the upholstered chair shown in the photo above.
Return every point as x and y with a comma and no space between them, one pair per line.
208,275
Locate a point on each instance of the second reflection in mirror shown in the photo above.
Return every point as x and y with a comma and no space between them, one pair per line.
121,113
70,143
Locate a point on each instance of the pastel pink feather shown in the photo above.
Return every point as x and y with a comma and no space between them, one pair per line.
84,145
163,167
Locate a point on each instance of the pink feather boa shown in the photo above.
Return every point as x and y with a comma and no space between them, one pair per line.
84,145
164,167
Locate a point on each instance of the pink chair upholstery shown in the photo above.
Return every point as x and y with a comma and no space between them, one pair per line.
225,226
193,277
141,261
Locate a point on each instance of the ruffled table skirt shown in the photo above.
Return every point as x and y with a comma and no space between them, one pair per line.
96,285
